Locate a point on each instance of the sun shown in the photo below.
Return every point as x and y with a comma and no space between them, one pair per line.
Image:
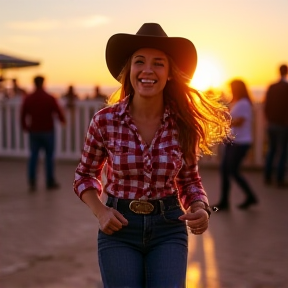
208,75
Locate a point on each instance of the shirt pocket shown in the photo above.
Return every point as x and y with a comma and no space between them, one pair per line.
123,158
168,161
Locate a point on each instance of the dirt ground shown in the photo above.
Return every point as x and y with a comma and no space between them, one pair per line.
49,239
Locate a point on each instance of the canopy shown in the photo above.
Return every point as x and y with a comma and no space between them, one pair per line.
8,61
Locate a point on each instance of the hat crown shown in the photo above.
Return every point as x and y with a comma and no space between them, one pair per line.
150,35
151,29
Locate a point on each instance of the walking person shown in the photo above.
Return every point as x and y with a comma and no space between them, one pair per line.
275,109
149,140
235,152
37,118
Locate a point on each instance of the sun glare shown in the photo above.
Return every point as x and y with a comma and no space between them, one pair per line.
208,75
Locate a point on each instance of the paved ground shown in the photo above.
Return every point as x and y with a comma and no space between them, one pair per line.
48,239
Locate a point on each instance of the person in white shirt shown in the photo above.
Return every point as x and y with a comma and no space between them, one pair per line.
234,153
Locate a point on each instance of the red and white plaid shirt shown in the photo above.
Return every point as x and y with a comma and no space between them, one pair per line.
135,170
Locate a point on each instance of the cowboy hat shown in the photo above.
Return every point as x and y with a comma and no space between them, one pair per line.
151,35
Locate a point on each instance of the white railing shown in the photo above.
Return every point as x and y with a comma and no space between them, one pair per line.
70,139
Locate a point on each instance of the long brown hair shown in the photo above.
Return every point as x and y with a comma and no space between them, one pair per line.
202,121
239,90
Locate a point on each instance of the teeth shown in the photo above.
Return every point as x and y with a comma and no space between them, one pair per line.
148,81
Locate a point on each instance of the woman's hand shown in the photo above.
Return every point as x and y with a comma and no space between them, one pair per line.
197,220
110,221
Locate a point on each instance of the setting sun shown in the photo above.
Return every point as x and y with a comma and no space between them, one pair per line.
208,75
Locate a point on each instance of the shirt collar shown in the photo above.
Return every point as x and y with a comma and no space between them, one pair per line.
123,109
123,106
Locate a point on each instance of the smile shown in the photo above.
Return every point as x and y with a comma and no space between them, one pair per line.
148,81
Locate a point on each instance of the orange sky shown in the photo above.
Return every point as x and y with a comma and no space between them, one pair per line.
233,38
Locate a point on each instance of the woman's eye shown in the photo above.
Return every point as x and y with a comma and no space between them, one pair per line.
139,61
159,64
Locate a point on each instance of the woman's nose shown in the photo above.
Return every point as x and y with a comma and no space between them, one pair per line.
147,70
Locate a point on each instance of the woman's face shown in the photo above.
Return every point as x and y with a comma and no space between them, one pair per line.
149,72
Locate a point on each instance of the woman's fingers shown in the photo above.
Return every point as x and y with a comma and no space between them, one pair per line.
120,217
112,221
197,221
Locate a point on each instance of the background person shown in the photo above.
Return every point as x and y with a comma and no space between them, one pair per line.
70,97
37,118
100,98
3,90
275,109
235,152
149,139
17,90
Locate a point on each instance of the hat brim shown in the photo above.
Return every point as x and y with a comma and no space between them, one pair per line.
121,46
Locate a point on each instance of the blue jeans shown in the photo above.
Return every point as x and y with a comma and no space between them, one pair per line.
41,141
234,154
150,252
277,148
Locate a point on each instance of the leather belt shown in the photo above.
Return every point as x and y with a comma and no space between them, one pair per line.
144,207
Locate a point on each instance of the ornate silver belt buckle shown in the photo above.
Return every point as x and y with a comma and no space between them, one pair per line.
141,207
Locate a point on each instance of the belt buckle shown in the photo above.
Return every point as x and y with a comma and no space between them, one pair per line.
141,207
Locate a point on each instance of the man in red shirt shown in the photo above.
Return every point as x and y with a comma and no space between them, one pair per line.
37,118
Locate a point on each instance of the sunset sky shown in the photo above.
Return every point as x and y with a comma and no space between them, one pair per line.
246,39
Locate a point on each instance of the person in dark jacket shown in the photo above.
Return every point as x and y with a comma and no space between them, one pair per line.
37,118
275,109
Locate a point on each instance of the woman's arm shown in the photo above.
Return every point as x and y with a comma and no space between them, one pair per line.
93,157
110,220
87,184
193,198
190,186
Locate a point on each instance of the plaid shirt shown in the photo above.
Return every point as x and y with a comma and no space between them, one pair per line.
135,170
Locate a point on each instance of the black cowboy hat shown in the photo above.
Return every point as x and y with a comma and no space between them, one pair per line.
151,35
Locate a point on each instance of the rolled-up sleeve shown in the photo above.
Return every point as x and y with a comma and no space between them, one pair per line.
190,186
88,171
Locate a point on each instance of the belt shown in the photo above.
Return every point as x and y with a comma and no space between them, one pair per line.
146,207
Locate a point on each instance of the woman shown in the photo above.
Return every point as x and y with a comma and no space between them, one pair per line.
149,139
234,153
